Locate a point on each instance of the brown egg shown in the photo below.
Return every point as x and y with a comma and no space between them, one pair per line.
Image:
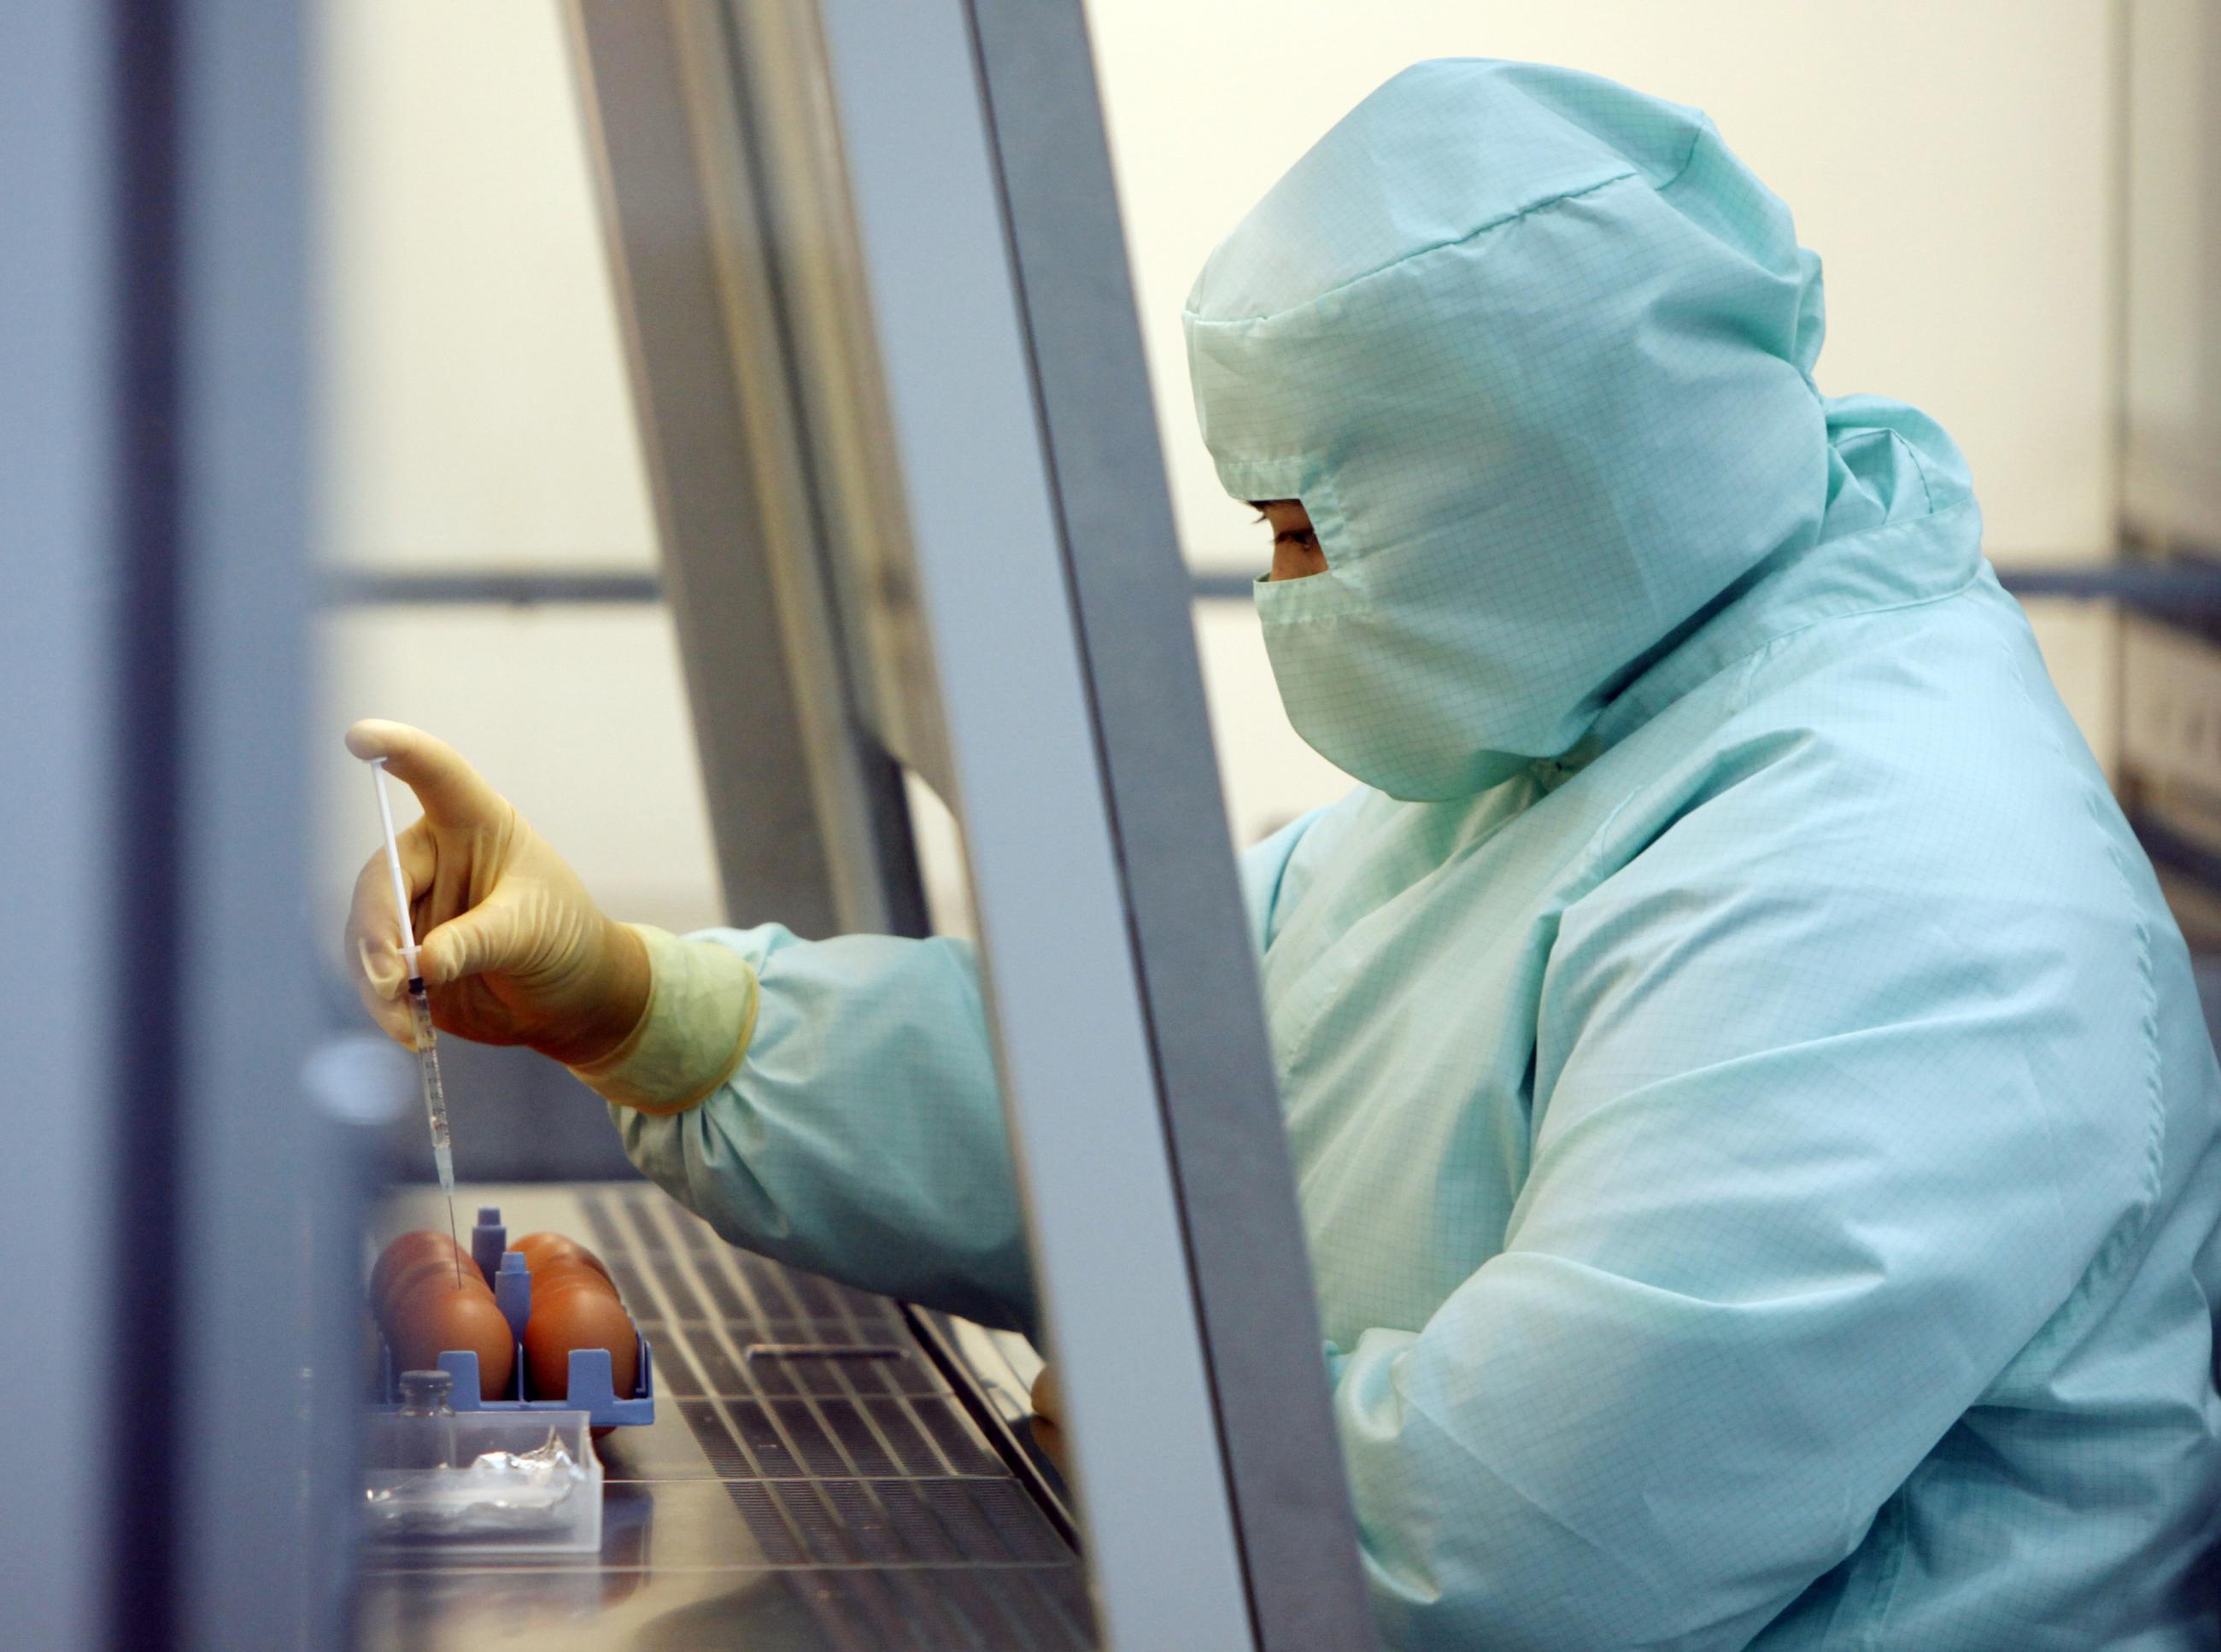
407,1251
540,1249
577,1313
427,1271
434,1316
555,1275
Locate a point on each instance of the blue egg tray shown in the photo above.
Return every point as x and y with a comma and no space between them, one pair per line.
592,1388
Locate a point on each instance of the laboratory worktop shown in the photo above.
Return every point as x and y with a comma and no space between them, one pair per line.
785,1498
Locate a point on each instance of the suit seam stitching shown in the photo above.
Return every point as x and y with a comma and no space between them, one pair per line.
1396,263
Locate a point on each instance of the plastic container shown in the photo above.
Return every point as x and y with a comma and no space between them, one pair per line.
592,1388
483,1482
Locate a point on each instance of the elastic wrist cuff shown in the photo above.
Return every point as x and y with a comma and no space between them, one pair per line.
701,1013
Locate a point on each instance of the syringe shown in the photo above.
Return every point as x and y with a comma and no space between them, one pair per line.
420,1011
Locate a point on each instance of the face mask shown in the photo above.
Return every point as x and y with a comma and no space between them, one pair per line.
1363,693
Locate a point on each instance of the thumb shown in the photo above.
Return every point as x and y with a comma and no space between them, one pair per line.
484,940
451,791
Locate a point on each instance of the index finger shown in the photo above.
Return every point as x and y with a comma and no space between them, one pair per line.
452,793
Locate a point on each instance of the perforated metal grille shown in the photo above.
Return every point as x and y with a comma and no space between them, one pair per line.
811,1480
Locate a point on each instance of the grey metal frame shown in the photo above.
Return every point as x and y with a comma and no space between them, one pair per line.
2168,145
1215,1070
933,177
811,826
168,1486
1109,1260
57,665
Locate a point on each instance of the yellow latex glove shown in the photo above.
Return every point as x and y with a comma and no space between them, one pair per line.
513,950
1048,1417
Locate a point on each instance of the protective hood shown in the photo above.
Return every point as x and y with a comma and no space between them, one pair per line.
1536,353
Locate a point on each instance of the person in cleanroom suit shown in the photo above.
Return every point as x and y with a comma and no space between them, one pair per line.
1756,1130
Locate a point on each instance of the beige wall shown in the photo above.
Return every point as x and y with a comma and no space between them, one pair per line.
1951,163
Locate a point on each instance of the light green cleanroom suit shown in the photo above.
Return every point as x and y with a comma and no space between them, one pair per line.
1754,1126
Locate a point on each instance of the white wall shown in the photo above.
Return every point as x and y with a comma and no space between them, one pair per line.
478,411
476,417
1951,163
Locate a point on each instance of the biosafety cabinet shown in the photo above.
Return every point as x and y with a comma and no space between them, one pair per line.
885,365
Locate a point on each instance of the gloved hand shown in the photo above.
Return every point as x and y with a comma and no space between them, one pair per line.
513,950
1048,1417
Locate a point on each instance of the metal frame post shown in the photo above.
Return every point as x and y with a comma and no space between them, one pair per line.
813,828
57,813
153,456
1198,979
898,224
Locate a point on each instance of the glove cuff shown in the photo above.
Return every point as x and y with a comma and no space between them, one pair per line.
701,1014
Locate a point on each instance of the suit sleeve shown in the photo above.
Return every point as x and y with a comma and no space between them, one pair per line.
861,1135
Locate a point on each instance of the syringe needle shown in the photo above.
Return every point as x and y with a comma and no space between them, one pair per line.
420,1011
435,1108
